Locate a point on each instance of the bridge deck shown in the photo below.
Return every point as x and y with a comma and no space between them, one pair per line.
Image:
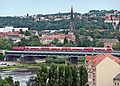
56,53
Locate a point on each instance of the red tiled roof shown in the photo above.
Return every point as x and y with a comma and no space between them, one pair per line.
51,37
88,58
109,18
5,34
98,58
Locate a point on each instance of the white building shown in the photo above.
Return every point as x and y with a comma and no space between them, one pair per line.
11,29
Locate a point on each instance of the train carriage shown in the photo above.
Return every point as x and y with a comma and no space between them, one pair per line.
81,49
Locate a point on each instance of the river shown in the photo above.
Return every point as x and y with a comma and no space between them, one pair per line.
21,75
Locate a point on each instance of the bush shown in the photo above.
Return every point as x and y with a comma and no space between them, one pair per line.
56,61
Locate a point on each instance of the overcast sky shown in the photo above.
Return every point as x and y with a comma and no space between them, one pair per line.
22,7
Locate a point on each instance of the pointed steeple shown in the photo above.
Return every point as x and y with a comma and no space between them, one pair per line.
72,13
72,24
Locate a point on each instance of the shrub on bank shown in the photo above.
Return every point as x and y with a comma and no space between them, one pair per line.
56,60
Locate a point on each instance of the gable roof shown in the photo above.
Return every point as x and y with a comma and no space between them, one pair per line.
108,40
117,77
52,37
96,59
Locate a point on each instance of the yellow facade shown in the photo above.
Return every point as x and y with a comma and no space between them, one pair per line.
106,70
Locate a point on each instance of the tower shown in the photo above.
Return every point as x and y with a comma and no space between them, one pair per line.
71,31
72,23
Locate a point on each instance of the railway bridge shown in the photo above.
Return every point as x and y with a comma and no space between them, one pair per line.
30,55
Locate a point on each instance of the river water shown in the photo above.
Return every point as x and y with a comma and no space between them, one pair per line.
21,75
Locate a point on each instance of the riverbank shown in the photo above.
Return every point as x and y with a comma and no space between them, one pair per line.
21,75
12,67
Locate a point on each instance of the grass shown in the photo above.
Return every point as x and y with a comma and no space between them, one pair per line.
22,66
80,62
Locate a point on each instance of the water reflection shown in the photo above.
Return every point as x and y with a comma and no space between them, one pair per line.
18,75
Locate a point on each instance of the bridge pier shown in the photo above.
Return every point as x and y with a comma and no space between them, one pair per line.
28,60
73,60
10,58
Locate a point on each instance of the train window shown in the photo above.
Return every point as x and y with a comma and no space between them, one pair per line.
77,49
44,48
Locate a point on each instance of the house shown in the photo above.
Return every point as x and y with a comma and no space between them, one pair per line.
108,42
34,32
12,29
116,80
112,19
46,39
15,36
102,68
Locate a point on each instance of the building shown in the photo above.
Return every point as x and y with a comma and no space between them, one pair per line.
116,80
70,36
108,42
72,23
12,29
46,39
34,32
15,36
102,68
112,19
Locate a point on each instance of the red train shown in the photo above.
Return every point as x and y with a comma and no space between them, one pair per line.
89,49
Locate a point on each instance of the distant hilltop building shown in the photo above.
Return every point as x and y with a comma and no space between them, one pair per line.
12,29
112,19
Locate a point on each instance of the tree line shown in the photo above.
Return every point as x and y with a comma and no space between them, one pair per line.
7,44
54,75
53,25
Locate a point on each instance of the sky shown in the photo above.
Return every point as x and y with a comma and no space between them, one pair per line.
22,7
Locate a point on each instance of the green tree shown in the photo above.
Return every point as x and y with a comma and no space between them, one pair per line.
53,76
34,41
33,81
64,75
68,76
4,83
23,42
42,75
56,42
83,42
31,41
99,44
83,31
10,80
27,33
116,46
1,56
61,75
65,41
6,43
83,75
75,79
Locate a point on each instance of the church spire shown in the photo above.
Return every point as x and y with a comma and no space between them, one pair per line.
72,13
72,24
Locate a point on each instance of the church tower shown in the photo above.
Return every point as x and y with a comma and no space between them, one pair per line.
70,35
72,23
